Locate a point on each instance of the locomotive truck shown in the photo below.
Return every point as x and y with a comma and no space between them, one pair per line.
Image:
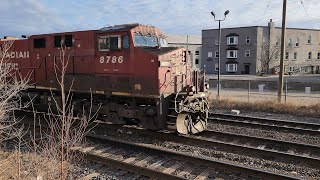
127,70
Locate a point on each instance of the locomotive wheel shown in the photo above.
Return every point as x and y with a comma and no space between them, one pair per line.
191,123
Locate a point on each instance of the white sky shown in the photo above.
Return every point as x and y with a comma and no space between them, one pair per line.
172,16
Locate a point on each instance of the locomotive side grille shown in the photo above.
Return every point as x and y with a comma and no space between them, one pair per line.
104,82
123,83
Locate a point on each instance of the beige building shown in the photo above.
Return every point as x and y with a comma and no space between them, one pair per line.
302,50
192,42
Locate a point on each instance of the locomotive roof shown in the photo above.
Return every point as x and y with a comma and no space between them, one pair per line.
117,28
162,50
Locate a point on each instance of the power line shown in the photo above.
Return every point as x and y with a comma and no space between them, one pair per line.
304,8
265,11
267,8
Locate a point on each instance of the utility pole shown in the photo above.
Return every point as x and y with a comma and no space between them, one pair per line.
283,37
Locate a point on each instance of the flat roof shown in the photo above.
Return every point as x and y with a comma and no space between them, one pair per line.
307,29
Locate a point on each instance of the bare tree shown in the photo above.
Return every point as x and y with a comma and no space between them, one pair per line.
267,53
65,131
11,83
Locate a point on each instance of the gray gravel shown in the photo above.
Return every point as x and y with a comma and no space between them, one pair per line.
272,116
285,136
250,161
102,172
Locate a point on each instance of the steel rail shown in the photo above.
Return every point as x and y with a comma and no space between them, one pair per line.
202,139
149,172
245,171
264,124
269,121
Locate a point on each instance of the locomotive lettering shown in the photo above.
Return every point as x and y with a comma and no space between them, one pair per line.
111,59
11,65
15,54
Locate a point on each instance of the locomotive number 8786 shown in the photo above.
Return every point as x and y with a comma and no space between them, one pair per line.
133,74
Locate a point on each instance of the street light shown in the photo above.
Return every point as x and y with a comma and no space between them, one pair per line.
214,17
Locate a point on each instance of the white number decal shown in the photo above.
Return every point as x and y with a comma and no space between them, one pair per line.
120,59
108,59
102,59
114,59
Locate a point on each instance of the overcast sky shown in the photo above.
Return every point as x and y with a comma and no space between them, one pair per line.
172,16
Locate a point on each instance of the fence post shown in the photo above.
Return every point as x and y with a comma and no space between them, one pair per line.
249,92
286,93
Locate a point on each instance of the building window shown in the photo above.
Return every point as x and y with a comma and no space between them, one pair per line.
216,54
247,53
232,40
197,53
39,43
290,42
209,54
216,42
309,55
309,39
216,67
197,61
232,53
247,40
291,69
277,41
231,68
287,55
295,54
297,42
318,57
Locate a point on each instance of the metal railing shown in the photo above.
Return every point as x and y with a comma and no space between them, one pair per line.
304,93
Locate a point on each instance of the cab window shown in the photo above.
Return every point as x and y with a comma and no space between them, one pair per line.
115,43
103,42
125,41
107,43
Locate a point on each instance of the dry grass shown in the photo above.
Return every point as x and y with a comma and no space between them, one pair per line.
31,166
268,106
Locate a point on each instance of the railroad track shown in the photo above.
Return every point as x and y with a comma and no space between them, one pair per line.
282,151
166,164
266,124
182,165
273,150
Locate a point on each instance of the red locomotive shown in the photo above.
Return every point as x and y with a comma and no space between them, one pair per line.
130,70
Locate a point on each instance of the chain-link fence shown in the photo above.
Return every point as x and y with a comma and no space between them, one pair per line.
303,93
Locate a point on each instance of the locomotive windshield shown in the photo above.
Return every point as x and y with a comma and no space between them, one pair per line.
163,42
145,41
